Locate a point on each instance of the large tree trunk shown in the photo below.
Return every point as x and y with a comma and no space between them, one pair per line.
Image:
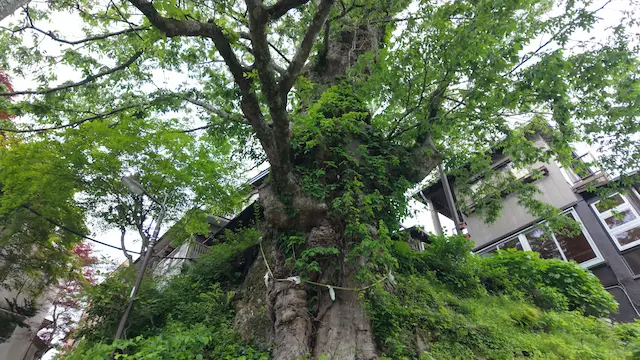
305,321
8,7
343,331
336,329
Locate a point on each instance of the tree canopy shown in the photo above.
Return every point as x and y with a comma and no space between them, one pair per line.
351,103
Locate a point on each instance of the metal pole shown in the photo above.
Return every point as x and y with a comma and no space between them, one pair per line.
449,195
145,263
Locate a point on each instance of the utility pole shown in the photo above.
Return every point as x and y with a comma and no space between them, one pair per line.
137,189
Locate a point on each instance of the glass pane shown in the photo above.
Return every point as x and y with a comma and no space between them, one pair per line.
511,244
611,203
543,243
632,258
621,218
488,251
629,236
576,247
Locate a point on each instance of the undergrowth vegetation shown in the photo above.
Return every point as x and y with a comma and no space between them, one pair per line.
186,317
450,304
444,303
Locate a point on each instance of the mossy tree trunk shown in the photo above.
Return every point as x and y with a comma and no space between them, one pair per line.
8,7
326,204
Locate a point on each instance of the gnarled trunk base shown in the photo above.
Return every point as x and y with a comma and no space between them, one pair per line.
343,331
280,315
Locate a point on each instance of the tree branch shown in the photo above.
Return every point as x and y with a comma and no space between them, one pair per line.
174,27
410,110
345,11
91,38
123,231
435,102
566,27
273,145
216,111
84,81
258,33
249,102
245,35
282,7
280,53
302,54
278,146
203,127
74,124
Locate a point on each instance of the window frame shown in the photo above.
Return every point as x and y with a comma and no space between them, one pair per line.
626,205
524,242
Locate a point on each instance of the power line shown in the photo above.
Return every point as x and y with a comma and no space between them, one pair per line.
95,240
76,232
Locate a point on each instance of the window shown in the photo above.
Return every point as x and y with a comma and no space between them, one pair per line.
620,218
579,248
501,171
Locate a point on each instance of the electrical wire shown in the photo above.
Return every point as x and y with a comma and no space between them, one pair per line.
77,233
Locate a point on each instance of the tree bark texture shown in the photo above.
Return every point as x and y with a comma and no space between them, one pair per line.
301,321
279,314
8,7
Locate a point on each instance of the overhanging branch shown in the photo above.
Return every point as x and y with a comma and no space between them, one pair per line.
216,111
562,31
250,104
76,123
174,27
84,81
89,39
282,7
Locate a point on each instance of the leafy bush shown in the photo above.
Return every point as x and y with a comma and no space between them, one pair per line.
175,341
549,283
423,318
185,317
451,304
226,261
449,258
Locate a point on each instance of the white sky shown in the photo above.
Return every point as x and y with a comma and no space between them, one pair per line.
70,28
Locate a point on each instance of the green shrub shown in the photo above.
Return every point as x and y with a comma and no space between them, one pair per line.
423,318
226,261
628,332
450,304
176,341
449,258
549,283
550,298
185,317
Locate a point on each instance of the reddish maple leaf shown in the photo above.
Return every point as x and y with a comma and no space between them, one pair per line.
6,81
67,304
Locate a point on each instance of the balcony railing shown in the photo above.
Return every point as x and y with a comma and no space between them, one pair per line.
172,263
196,250
585,170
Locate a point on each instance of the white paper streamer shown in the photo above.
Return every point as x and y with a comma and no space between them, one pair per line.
294,279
